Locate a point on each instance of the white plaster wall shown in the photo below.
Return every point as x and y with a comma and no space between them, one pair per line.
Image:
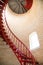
23,25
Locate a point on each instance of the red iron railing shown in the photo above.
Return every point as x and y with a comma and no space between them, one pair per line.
19,48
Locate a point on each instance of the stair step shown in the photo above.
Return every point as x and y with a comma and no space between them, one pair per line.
16,52
14,48
3,29
1,7
28,61
0,34
5,33
0,12
12,45
24,57
1,22
2,3
8,39
2,26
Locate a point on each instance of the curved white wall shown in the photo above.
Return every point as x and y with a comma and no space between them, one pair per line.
23,25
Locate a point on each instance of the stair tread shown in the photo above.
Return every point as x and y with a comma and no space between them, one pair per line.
24,57
28,61
2,3
21,55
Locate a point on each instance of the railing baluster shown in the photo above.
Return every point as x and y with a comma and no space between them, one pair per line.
17,44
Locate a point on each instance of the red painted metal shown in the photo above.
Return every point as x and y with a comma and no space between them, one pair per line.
28,4
18,47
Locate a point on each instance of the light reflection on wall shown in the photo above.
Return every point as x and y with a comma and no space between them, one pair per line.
34,41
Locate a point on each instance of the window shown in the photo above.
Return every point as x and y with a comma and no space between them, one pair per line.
33,40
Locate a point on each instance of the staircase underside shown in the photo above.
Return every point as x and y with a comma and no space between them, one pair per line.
19,49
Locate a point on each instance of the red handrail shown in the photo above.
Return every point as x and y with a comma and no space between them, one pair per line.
19,44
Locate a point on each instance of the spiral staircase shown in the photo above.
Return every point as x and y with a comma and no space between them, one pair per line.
22,53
